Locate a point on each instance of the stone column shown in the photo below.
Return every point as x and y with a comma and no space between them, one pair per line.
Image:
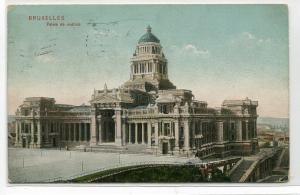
129,133
186,135
107,128
193,133
255,129
136,132
47,131
69,132
32,133
123,134
17,129
75,131
220,130
156,134
118,125
65,132
70,129
239,132
176,127
149,129
85,132
99,129
143,134
39,134
93,139
79,124
62,131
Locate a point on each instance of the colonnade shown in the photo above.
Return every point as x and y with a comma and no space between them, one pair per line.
74,132
138,133
37,132
29,130
242,130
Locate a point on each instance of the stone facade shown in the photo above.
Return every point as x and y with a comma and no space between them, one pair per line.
146,110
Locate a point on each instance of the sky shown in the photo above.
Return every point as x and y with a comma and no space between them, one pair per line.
217,51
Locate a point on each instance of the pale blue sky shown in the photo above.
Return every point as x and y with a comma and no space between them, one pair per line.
219,52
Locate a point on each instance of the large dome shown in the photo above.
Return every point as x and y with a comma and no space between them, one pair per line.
148,37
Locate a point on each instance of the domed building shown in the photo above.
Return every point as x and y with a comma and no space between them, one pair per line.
146,114
149,67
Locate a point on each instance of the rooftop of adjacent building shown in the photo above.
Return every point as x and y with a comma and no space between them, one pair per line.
245,101
32,99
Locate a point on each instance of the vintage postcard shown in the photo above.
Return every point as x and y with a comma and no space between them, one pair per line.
148,94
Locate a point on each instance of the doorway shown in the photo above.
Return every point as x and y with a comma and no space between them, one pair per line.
54,142
165,148
23,143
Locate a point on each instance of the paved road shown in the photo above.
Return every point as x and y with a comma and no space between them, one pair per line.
40,165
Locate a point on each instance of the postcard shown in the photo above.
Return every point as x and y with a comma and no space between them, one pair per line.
148,94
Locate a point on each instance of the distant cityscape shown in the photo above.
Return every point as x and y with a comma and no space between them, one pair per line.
274,122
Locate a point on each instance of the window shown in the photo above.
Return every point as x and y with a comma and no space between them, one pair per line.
165,111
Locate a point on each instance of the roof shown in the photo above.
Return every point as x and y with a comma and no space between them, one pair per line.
239,102
39,99
64,105
82,108
148,37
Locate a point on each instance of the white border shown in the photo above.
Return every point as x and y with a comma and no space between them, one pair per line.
292,187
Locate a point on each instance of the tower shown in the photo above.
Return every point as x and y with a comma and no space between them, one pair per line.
149,67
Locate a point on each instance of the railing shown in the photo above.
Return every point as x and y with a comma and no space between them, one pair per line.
138,165
235,167
141,111
126,165
135,165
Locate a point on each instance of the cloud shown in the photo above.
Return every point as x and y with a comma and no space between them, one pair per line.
248,35
192,49
48,58
250,39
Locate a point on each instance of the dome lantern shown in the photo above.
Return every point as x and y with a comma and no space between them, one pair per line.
148,36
